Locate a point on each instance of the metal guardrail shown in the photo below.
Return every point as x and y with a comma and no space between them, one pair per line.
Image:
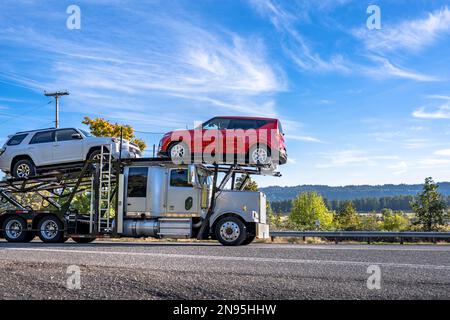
362,235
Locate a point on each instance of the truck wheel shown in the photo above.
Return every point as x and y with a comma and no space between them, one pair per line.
50,230
230,231
248,240
24,168
15,229
83,240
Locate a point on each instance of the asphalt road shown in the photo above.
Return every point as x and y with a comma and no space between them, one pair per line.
157,270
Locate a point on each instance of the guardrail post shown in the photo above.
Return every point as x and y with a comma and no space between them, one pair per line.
271,238
336,241
368,240
401,240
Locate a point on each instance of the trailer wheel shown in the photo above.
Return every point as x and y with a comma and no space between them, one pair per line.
230,231
50,230
15,229
83,240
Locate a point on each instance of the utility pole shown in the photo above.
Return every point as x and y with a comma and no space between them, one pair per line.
56,94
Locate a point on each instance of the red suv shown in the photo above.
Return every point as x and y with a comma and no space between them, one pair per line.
228,139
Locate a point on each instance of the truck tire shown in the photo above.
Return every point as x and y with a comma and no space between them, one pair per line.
50,230
83,240
230,231
24,168
15,230
248,240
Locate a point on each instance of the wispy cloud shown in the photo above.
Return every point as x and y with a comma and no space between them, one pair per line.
441,112
303,138
386,68
294,44
411,34
205,67
443,152
353,158
399,168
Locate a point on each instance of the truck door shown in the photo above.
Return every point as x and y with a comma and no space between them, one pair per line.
182,197
137,186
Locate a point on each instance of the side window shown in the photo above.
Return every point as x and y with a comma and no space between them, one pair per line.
137,182
179,178
16,140
65,135
216,124
43,137
243,124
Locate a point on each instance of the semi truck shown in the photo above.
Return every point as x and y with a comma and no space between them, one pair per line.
144,197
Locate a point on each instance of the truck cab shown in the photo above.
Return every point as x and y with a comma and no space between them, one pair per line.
173,201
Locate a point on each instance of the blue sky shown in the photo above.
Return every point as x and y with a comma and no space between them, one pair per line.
358,106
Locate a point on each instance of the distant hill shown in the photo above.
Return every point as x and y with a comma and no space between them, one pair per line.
276,193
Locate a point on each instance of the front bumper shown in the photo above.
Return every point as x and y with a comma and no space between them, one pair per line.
262,231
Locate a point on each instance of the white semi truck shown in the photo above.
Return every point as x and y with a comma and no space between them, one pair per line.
137,198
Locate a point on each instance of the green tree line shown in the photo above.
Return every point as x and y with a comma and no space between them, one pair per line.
362,205
309,211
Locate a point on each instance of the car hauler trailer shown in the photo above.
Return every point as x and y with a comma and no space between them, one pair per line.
146,197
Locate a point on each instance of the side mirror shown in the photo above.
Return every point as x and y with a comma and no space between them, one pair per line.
192,174
77,136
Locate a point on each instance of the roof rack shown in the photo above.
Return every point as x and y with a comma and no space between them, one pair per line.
28,131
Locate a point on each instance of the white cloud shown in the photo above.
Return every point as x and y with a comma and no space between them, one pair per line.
302,138
385,68
433,162
211,69
441,112
438,96
416,143
399,168
443,152
353,158
284,17
411,34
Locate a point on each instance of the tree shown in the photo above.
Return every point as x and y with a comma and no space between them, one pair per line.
103,128
347,217
370,222
429,206
249,186
309,212
394,221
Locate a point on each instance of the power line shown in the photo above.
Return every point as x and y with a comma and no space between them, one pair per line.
25,112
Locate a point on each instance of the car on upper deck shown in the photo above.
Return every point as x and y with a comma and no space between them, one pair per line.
254,140
25,153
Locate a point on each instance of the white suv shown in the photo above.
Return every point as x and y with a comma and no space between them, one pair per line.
27,152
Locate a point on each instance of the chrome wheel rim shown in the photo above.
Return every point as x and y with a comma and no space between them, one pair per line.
13,229
23,170
230,231
49,229
260,155
177,151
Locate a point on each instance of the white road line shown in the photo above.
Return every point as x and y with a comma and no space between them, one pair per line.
349,247
239,259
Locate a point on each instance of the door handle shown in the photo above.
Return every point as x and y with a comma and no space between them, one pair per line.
128,204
